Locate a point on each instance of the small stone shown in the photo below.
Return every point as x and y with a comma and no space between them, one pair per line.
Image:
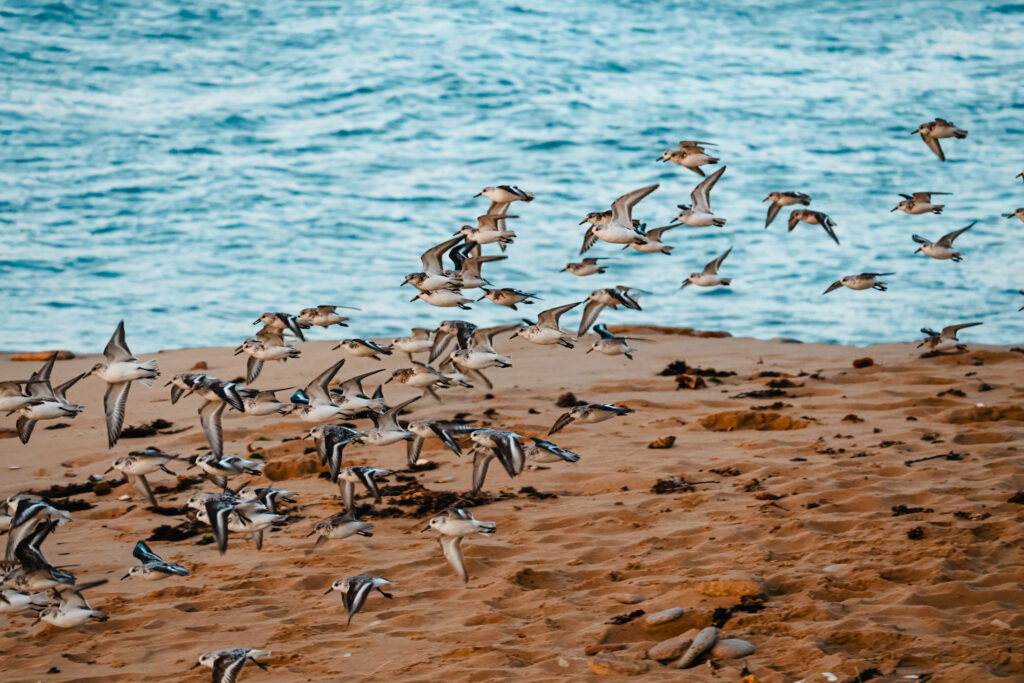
606,664
124,497
854,419
704,641
690,382
731,648
627,598
663,442
863,363
669,649
592,650
664,616
101,488
200,365
732,587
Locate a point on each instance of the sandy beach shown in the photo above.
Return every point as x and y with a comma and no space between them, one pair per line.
860,521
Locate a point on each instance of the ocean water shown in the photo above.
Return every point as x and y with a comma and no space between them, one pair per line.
189,165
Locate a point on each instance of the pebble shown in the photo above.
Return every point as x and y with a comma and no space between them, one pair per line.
704,641
124,497
733,587
609,665
663,442
731,648
664,616
627,598
592,650
669,649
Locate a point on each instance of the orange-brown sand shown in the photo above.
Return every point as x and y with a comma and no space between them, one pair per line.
795,511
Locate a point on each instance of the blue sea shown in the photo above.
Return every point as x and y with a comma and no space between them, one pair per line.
189,165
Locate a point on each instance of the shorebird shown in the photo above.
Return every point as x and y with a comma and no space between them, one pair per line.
13,396
260,351
47,403
619,229
612,297
445,430
284,321
946,340
587,266
420,376
69,608
153,567
29,515
137,464
654,245
943,249
813,218
216,394
918,203
351,398
320,407
468,261
612,345
386,429
502,196
355,589
502,444
348,477
363,348
508,297
432,276
453,528
698,213
341,525
547,330
247,516
325,315
481,353
227,664
444,298
264,402
1017,213
267,496
781,199
933,131
690,154
330,441
490,228
458,330
589,413
709,276
119,369
419,341
861,281
542,451
219,468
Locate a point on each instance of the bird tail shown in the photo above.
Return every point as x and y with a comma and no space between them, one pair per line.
713,160
718,222
938,208
959,134
726,281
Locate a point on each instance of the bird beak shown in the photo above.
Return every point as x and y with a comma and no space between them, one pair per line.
514,334
328,590
193,666
482,298
684,284
766,199
426,528
477,195
254,322
335,348
589,350
388,380
238,350
306,435
125,577
893,209
169,383
414,298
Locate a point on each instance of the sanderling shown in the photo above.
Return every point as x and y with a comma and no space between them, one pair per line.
348,477
468,262
220,468
781,199
813,218
545,451
432,276
709,276
13,600
481,353
69,608
444,430
341,525
860,281
943,249
386,429
933,131
153,566
690,154
319,406
587,266
355,589
502,444
454,527
946,340
1017,213
363,348
13,396
351,398
918,203
31,572
330,443
30,513
502,196
137,464
458,330
508,297
260,351
654,245
547,330
589,413
444,298
698,213
268,496
47,402
216,394
611,297
264,402
284,321
619,229
490,228
612,345
419,341
596,218
325,315
227,664
420,376
247,516
119,370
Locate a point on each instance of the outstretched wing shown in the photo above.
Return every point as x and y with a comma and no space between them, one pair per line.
700,198
117,348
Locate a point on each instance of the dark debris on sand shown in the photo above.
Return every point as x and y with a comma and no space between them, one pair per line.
749,604
568,400
166,532
78,488
183,484
621,619
146,430
763,393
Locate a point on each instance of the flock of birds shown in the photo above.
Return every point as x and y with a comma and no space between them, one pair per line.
456,354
